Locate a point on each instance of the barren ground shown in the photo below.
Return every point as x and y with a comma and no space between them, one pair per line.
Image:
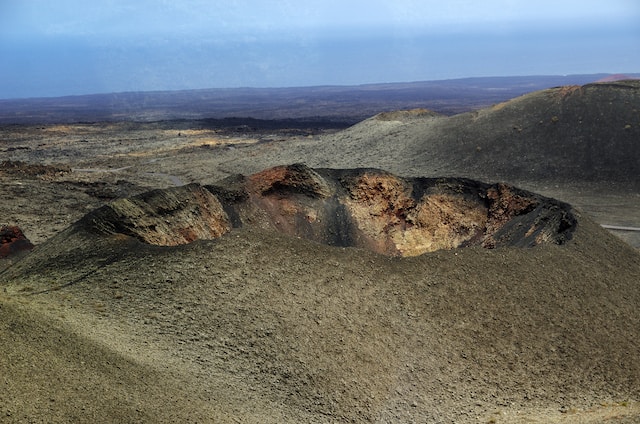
137,344
95,163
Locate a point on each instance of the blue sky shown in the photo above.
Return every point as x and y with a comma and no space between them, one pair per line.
69,47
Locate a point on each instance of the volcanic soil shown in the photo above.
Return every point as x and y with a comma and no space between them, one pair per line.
261,325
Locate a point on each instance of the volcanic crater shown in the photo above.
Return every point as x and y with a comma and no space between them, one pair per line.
365,208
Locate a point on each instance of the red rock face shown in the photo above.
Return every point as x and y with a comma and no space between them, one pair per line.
291,179
396,216
364,208
399,224
12,241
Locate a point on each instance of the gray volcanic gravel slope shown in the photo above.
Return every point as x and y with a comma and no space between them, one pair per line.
260,327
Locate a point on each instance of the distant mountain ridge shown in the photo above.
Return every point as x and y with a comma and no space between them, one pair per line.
339,104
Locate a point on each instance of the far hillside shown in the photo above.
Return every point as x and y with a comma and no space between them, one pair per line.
586,133
330,106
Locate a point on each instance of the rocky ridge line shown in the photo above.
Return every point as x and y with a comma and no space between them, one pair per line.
364,208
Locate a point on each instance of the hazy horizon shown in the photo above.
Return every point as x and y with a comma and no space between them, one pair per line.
71,47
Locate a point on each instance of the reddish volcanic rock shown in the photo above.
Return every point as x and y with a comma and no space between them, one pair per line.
366,208
12,241
391,215
293,179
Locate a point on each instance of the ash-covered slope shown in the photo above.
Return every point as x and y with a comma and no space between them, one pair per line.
260,326
588,133
564,134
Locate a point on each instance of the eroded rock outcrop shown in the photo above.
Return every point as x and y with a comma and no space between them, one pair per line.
365,208
13,241
397,216
169,217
